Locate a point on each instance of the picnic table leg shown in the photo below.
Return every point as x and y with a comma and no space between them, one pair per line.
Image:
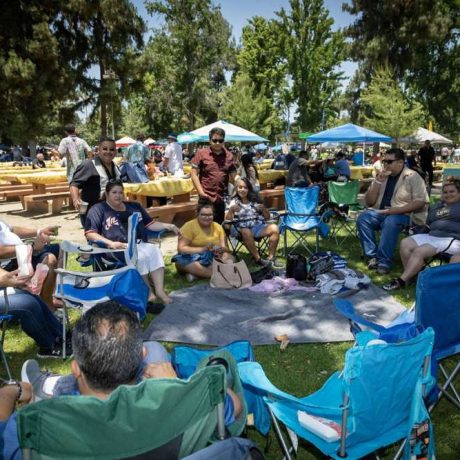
182,198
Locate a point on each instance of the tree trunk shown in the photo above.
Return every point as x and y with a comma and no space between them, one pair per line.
33,148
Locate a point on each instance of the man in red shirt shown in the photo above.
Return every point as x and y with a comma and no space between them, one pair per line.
212,169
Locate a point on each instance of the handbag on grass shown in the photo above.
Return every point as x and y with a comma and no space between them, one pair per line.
230,276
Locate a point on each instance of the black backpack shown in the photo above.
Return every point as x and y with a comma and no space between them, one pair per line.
296,267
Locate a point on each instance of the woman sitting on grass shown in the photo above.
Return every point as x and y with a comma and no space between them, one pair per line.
104,223
443,236
251,216
201,240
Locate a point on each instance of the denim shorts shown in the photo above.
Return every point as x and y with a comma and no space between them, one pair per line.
36,258
204,258
256,230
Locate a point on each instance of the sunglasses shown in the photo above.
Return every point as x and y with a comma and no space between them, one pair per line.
206,216
217,141
388,162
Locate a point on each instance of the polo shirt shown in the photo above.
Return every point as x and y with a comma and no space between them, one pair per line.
193,232
213,171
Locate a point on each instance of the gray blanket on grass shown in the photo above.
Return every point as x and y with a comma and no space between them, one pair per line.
203,315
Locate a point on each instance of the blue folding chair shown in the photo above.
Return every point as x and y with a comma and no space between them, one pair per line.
437,294
302,218
375,401
83,290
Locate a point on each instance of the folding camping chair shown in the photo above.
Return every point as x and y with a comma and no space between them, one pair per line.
187,359
83,290
235,239
302,218
437,294
374,402
158,418
343,197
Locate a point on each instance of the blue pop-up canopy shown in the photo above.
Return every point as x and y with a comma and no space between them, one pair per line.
348,133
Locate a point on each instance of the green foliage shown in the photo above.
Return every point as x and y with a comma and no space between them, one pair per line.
244,107
389,110
420,41
313,53
188,59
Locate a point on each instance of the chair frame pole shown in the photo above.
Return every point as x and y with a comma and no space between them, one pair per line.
343,436
221,433
280,435
2,338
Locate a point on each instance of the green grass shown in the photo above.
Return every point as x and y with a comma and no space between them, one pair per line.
300,369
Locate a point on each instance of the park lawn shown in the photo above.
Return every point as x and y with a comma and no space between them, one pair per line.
300,369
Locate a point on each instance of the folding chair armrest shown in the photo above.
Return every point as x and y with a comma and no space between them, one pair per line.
62,271
75,248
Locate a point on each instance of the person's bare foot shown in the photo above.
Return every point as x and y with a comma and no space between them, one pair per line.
164,298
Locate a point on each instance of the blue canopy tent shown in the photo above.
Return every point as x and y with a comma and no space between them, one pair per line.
348,133
188,138
261,147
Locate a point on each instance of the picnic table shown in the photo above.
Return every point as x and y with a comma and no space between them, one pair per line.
265,164
171,187
360,172
267,176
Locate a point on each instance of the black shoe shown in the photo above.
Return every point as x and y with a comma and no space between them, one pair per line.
394,285
373,263
56,350
155,307
263,262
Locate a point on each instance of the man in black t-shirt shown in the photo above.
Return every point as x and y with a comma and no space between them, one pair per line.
426,157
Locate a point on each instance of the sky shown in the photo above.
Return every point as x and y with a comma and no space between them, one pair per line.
237,13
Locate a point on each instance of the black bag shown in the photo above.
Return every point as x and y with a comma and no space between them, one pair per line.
265,273
296,267
318,264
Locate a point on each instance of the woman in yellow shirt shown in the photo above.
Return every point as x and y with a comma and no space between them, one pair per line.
200,242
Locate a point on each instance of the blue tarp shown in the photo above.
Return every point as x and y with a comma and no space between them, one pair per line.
348,133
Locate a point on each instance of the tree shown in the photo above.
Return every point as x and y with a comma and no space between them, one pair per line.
390,111
190,55
420,40
107,34
253,112
33,75
313,52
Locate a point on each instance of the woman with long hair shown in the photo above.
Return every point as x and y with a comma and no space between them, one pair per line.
104,223
250,218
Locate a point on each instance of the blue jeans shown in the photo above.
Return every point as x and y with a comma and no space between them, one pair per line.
36,318
391,225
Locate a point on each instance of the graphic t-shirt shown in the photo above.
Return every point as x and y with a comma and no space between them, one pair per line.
113,224
444,220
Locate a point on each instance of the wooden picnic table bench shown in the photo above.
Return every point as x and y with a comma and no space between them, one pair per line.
47,202
273,198
19,194
177,213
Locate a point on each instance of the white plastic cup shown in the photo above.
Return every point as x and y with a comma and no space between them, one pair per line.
83,207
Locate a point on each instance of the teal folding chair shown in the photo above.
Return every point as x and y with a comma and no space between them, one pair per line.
374,402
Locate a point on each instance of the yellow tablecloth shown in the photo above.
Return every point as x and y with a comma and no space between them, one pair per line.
48,177
266,164
168,186
360,172
270,175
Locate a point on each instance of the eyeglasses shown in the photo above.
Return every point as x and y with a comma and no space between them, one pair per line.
207,216
217,141
388,162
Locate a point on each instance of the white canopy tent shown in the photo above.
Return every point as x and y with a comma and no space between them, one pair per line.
149,141
422,135
233,133
125,142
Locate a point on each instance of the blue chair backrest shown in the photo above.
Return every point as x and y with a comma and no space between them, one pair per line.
381,380
185,358
437,306
301,201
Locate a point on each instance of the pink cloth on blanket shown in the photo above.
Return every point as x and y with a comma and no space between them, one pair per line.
278,284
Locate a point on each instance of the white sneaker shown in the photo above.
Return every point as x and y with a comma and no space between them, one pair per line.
190,278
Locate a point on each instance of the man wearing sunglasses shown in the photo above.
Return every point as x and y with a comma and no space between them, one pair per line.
212,170
396,196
